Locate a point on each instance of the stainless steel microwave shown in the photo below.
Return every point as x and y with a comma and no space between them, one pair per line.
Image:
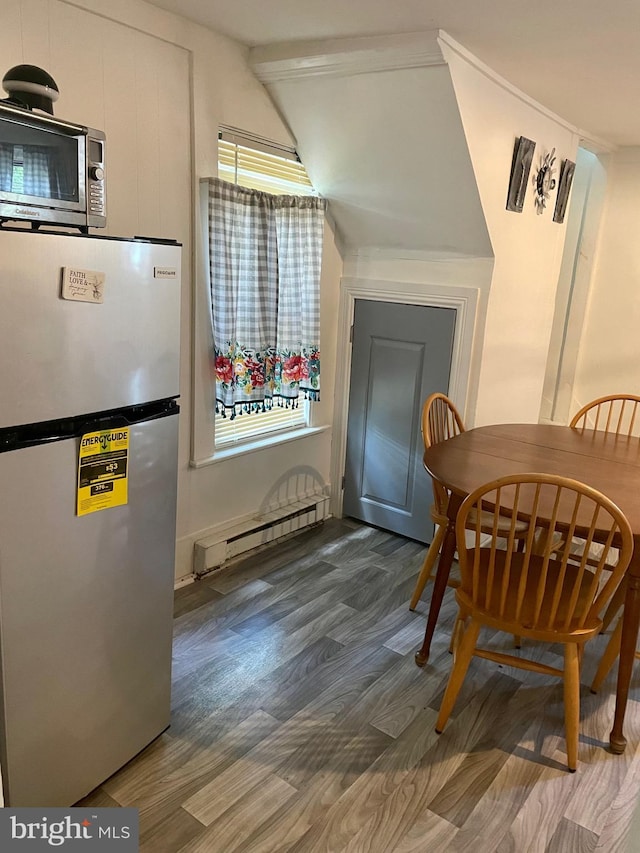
51,171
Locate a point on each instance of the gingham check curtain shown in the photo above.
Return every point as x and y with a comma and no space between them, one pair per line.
36,171
264,262
6,166
36,175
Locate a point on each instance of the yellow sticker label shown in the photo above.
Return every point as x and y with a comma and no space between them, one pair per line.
103,465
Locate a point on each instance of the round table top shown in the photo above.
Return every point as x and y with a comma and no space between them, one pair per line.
606,462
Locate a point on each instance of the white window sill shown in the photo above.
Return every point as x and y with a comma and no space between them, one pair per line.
233,450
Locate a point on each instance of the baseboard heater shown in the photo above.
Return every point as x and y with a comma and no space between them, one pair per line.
212,552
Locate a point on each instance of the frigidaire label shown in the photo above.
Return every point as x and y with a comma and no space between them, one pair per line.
165,272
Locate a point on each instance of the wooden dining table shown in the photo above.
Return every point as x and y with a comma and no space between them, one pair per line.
604,461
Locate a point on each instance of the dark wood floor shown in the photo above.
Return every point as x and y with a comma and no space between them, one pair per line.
301,723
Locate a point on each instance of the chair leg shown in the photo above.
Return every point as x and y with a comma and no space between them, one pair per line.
427,566
456,634
517,640
571,702
461,660
439,586
608,658
614,606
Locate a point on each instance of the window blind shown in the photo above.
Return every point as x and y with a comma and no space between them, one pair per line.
268,167
250,426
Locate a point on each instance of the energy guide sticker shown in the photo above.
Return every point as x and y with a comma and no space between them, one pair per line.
103,470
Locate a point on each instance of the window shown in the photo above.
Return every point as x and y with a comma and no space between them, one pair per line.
17,178
11,167
270,168
255,163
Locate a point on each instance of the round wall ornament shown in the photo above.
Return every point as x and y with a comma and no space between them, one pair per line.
543,180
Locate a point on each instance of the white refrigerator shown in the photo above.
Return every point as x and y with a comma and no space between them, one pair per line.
89,354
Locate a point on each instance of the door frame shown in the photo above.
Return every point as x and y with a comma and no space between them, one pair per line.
464,300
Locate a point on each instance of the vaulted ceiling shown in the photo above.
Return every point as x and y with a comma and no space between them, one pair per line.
386,146
579,59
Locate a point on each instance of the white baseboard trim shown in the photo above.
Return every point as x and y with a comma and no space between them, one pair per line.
219,546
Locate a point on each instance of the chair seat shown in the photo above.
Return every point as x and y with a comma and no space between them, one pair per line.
504,522
551,624
486,521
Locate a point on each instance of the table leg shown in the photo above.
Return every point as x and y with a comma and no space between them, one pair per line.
439,586
630,623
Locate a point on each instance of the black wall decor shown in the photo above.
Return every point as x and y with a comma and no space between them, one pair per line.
564,187
520,168
543,180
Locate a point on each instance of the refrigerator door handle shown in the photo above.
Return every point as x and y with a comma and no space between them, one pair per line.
128,417
101,424
15,438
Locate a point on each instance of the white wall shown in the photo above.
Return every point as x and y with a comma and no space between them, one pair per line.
610,346
387,149
527,246
159,86
584,217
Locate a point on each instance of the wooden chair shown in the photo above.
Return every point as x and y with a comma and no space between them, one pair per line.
543,596
440,421
617,414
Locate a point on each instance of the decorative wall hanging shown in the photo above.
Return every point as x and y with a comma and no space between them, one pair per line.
564,188
520,168
543,180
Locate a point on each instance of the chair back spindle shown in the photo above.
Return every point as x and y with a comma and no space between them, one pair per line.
617,414
546,587
440,421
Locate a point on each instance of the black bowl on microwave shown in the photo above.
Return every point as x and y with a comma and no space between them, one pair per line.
31,86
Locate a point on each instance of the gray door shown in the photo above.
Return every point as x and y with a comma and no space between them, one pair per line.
401,354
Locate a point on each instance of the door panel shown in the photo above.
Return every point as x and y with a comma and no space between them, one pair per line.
394,369
401,354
